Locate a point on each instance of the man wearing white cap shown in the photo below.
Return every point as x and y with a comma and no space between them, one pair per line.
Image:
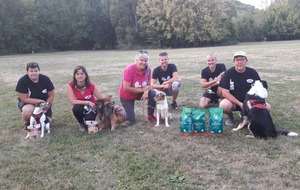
235,83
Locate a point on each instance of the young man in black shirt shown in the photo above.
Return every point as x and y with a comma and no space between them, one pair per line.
210,80
165,78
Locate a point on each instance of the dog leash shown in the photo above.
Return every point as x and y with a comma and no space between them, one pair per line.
146,102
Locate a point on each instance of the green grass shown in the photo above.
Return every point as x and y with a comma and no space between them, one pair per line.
141,156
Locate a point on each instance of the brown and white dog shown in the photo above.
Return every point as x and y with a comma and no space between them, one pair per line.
38,122
109,114
256,115
162,108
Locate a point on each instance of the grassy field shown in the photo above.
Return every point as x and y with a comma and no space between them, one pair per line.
144,156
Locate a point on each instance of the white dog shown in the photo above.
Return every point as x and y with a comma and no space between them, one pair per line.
162,109
38,122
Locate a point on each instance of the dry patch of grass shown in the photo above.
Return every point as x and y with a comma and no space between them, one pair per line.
141,156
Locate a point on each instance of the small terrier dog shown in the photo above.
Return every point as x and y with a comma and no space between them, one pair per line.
38,122
162,108
109,114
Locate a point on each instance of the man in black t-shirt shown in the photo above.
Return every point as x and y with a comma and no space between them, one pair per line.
235,84
165,78
210,80
33,88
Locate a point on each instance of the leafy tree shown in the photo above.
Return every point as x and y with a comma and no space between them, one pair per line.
183,22
282,22
123,19
246,26
4,22
11,14
37,25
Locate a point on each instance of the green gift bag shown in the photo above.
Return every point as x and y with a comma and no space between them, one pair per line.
199,121
186,125
216,121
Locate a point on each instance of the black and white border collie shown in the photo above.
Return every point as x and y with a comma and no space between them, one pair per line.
256,115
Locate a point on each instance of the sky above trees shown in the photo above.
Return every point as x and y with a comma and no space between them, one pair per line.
260,4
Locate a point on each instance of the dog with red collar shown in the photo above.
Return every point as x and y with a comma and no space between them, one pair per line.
256,115
38,122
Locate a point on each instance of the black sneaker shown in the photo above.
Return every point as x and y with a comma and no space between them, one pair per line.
26,126
230,120
174,106
83,127
126,124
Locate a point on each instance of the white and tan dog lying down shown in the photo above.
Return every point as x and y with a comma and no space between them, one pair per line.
257,117
162,108
39,123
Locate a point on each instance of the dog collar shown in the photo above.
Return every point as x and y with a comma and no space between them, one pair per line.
256,104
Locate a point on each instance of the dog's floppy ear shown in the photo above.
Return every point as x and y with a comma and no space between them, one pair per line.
106,99
99,102
264,83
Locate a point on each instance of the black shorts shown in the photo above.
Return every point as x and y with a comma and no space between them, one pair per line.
168,92
211,96
237,108
22,104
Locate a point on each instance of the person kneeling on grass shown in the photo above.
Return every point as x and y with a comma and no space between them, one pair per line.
33,88
83,94
210,80
165,78
235,84
136,86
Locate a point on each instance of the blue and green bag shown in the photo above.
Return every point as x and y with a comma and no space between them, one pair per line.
186,124
199,121
216,121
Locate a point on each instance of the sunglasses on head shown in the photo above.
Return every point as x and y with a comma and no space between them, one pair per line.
32,64
143,52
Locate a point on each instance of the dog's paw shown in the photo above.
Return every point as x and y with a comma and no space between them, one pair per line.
156,125
292,134
235,129
250,136
30,127
167,125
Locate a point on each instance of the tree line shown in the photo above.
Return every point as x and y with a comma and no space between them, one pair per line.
58,25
